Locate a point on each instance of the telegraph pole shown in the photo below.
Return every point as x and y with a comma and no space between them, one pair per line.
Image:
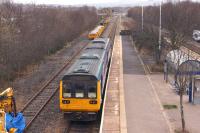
160,32
142,18
160,26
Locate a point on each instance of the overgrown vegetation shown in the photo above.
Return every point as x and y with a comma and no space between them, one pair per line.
184,13
29,32
178,21
147,40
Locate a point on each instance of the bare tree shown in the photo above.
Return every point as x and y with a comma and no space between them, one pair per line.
30,32
186,13
177,39
182,80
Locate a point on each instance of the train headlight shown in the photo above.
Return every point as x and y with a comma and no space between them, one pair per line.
65,95
79,94
92,95
66,101
93,102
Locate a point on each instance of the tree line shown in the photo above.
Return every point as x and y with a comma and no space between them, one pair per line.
184,15
30,32
179,19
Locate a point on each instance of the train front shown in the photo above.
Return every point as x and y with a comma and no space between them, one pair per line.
80,97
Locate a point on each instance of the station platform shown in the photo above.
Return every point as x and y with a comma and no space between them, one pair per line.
113,115
130,102
135,97
144,111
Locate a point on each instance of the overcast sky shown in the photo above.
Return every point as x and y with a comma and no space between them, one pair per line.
93,2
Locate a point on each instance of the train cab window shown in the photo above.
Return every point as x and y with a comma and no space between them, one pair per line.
92,92
80,87
66,90
92,89
79,90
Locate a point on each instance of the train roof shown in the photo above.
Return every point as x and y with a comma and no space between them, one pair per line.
96,29
91,59
98,43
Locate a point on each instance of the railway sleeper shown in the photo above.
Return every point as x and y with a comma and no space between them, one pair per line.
35,106
29,113
46,91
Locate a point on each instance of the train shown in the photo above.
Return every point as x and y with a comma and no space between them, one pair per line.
104,22
196,35
82,86
96,33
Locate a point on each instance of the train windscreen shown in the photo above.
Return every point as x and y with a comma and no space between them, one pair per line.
79,87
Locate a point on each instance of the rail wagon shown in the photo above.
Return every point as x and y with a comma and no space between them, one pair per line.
104,22
82,86
196,35
96,33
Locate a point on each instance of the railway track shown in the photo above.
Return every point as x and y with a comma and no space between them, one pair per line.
36,104
82,127
90,127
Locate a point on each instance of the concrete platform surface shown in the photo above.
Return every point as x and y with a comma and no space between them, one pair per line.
111,116
143,112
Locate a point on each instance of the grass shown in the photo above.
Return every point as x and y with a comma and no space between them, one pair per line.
180,131
168,106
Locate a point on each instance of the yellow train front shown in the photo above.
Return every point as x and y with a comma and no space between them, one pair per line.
96,33
81,88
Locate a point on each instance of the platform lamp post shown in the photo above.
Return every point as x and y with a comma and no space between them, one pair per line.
158,53
142,18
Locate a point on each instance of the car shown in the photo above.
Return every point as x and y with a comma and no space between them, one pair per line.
125,32
196,35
